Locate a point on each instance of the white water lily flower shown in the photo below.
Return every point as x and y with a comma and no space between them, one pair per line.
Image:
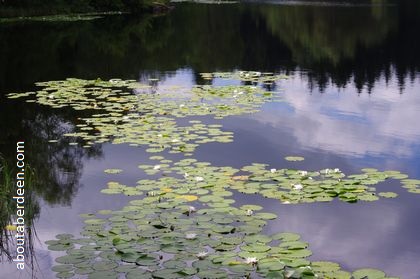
51,96
159,135
336,170
303,173
289,273
249,212
181,105
192,209
273,170
297,186
156,167
186,175
202,255
327,171
190,235
310,178
250,260
126,117
199,178
286,202
175,140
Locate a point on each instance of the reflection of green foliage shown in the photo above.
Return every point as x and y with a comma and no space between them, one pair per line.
6,192
323,39
54,160
58,165
317,33
8,209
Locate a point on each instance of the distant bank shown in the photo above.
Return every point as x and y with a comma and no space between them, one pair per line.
30,8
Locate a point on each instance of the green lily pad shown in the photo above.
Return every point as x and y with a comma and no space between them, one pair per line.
369,273
294,158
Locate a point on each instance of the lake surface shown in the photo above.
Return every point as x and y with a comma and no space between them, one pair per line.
351,101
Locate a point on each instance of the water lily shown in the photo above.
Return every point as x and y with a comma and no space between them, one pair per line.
186,175
192,209
286,202
303,173
202,255
251,260
273,170
190,235
199,178
175,140
297,186
156,167
249,212
336,170
289,273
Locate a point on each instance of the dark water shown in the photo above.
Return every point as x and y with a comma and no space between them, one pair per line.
352,101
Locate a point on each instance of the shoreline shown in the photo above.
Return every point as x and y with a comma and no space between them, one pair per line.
29,13
62,16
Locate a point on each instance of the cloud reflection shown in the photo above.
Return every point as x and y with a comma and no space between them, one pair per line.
345,122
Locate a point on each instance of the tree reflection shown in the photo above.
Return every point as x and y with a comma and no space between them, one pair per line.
331,42
58,166
53,169
8,229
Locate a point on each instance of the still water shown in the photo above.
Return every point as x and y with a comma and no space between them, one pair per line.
352,100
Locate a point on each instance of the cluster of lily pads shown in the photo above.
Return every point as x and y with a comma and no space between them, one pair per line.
149,117
187,226
186,223
287,185
247,76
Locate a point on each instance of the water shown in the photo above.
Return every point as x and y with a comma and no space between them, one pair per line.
351,101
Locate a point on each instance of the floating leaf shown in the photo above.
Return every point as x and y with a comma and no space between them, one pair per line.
294,158
113,171
369,273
